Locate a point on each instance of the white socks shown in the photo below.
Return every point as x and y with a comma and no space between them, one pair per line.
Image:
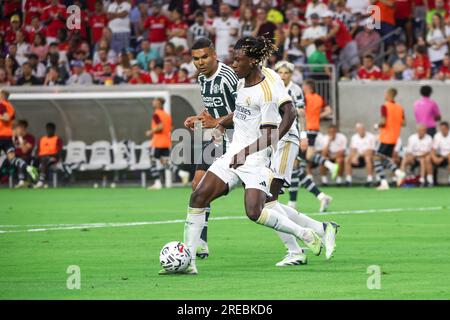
430,179
348,178
275,218
324,179
369,178
193,227
302,219
329,165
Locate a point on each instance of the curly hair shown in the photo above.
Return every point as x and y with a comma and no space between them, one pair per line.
258,48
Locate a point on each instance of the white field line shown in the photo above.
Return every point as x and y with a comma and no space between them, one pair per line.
50,227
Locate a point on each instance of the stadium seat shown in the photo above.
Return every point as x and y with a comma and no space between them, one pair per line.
75,154
100,156
123,156
144,162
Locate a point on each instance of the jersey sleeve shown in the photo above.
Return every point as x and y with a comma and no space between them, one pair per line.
280,93
230,94
299,98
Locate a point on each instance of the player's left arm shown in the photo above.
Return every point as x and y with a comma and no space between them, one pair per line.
288,115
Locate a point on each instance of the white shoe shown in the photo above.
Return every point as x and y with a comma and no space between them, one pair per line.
156,186
184,176
400,177
329,239
292,204
293,259
313,242
202,250
22,184
39,185
325,202
383,185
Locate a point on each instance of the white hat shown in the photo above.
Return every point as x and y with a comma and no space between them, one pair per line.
327,14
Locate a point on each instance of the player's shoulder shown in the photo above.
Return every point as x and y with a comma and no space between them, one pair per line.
228,75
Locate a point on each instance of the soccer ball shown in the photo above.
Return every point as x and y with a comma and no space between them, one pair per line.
175,257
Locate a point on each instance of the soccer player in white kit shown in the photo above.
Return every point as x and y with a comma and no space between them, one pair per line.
256,122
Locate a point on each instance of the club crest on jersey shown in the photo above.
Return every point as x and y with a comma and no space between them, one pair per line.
216,88
248,101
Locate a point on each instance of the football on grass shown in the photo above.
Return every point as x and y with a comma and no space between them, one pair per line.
175,257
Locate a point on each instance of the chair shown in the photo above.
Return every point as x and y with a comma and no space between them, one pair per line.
144,163
123,155
100,156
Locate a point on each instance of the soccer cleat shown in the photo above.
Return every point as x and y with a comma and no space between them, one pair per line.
383,185
191,270
293,259
33,172
21,184
184,176
292,204
400,177
156,186
324,203
334,171
329,239
313,242
202,250
39,185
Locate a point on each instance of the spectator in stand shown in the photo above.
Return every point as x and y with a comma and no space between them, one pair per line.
346,47
32,8
404,19
313,32
4,81
12,53
182,76
97,22
422,65
198,29
157,24
11,66
444,70
23,48
98,67
440,154
137,75
11,30
437,41
186,8
24,143
367,40
169,71
188,64
343,14
386,19
398,60
265,27
79,75
319,57
156,72
439,7
35,28
37,66
247,22
335,144
106,37
148,53
119,23
210,16
111,54
369,70
387,73
27,78
418,151
409,72
54,17
315,7
362,148
49,153
122,65
292,45
225,28
39,47
177,31
52,78
426,110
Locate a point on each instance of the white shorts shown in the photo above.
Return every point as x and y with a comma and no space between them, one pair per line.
252,176
283,161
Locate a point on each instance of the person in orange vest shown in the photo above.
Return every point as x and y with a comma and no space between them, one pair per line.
161,141
49,152
315,110
392,120
7,114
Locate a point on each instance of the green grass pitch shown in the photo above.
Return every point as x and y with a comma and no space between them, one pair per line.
403,231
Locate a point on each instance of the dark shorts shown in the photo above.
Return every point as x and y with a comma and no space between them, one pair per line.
312,135
386,149
444,163
159,153
431,131
361,163
7,145
215,153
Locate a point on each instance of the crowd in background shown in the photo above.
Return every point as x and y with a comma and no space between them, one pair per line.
147,42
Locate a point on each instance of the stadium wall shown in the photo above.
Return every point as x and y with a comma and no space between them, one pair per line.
360,101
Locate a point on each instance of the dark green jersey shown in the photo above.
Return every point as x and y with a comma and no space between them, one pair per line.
219,91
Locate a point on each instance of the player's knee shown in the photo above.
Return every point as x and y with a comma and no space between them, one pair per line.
198,199
253,211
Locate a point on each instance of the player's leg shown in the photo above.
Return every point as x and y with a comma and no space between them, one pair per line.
429,170
295,182
203,250
20,164
338,159
308,183
368,161
155,168
349,161
422,169
44,164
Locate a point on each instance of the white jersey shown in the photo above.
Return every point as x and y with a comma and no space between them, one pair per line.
319,144
292,135
417,146
338,144
441,144
362,144
256,106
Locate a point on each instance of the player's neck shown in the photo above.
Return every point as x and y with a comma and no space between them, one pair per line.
254,78
213,70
